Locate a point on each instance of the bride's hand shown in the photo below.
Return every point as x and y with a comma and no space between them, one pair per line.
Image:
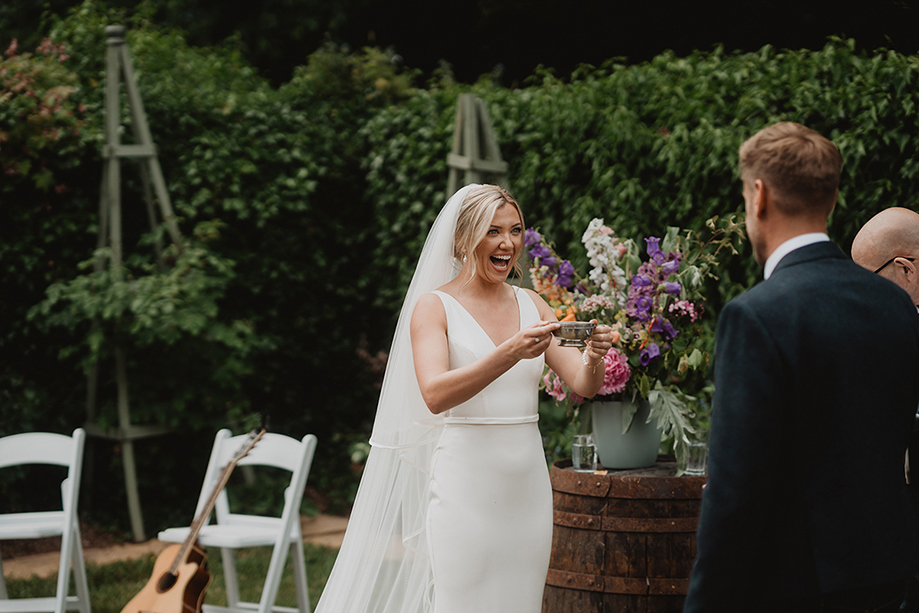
599,343
532,342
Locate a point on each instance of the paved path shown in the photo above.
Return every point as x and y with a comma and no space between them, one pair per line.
325,530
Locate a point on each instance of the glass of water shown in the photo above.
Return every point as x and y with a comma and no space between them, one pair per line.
696,459
583,453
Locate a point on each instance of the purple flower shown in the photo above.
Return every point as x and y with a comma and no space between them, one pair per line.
531,237
548,261
565,274
669,331
670,267
643,308
650,353
653,245
672,288
641,280
664,327
539,251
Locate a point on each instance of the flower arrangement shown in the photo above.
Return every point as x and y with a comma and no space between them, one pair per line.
654,307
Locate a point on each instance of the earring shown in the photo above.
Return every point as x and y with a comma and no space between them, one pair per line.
464,258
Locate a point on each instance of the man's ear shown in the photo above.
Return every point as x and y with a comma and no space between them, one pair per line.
909,268
762,199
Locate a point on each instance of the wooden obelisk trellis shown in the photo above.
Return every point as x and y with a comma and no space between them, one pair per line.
475,148
118,69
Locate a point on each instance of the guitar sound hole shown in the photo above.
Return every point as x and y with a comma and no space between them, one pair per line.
167,580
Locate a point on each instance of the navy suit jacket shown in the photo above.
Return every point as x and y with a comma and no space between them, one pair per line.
816,388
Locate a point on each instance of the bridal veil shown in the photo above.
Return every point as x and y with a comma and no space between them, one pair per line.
384,565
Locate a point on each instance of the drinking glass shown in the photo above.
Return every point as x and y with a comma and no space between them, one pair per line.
583,453
696,459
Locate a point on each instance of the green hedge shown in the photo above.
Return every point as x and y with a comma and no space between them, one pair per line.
312,201
655,144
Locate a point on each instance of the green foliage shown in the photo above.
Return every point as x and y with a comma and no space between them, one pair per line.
406,178
557,430
654,145
231,325
148,302
46,138
324,189
669,410
38,114
333,74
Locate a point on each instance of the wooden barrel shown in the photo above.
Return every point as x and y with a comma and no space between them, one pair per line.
623,541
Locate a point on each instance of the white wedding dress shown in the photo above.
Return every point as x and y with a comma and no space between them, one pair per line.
489,519
463,495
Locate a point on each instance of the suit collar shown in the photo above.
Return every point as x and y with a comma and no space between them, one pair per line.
796,242
809,253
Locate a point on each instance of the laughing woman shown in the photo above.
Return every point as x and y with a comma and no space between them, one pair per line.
454,512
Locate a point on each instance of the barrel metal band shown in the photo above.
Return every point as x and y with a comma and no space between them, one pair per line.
617,585
625,524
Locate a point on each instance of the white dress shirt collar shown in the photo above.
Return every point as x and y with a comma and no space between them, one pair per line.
796,242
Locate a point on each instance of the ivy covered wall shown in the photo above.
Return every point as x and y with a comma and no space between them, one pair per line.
307,205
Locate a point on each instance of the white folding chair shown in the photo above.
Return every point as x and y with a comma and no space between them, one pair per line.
54,449
236,531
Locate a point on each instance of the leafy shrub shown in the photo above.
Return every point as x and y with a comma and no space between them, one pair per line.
323,190
44,137
651,145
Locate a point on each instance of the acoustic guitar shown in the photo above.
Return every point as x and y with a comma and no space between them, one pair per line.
180,577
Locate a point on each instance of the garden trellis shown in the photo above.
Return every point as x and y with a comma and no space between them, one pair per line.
475,148
118,67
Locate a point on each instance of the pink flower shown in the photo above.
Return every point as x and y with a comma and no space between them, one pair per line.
554,385
557,389
617,373
684,308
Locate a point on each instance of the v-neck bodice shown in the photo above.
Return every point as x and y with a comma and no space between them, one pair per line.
464,311
516,392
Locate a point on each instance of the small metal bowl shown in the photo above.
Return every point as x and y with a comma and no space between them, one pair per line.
574,333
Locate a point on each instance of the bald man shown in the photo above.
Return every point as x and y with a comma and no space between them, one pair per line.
888,245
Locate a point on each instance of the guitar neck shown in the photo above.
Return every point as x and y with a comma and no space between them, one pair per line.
201,519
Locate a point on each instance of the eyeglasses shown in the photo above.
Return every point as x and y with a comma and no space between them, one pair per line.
885,264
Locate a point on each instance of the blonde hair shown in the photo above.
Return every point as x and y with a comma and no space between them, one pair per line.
799,165
474,219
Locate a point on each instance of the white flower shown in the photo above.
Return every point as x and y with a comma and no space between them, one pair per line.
603,254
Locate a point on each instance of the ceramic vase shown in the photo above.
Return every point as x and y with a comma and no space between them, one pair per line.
636,448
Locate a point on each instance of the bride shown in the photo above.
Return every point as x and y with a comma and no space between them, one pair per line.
454,510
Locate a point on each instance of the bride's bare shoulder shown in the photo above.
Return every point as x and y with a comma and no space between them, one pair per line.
541,305
428,308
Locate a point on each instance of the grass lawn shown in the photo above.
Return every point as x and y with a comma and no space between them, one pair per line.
113,585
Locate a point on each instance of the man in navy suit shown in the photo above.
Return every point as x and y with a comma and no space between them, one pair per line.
806,507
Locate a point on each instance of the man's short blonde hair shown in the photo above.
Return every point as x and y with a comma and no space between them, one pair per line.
799,165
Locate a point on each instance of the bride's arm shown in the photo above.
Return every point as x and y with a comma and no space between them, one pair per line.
568,363
442,388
